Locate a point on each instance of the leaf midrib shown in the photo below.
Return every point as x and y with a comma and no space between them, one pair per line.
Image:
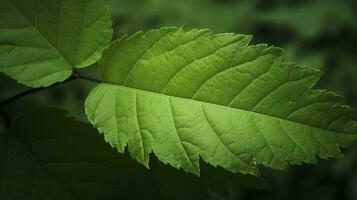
218,105
43,36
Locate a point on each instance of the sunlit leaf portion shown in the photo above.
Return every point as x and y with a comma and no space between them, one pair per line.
42,41
185,95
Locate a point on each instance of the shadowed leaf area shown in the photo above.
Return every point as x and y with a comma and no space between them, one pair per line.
61,158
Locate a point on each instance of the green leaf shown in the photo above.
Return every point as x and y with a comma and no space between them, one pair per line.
47,163
41,42
185,95
61,158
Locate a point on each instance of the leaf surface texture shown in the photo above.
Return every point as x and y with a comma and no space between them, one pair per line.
41,41
185,95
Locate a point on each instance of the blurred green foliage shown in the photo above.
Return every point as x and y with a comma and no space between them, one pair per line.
319,33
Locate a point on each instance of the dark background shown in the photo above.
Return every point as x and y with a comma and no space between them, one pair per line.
318,33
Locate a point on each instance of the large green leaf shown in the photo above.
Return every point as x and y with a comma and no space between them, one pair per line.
42,41
185,95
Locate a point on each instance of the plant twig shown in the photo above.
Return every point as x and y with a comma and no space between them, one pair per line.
6,118
75,75
31,91
18,96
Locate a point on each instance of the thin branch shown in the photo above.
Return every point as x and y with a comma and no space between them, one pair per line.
77,75
6,117
18,96
31,91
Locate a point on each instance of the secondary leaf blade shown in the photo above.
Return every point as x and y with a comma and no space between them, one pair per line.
42,41
47,156
189,94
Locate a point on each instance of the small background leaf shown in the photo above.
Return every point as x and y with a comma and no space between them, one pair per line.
42,41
